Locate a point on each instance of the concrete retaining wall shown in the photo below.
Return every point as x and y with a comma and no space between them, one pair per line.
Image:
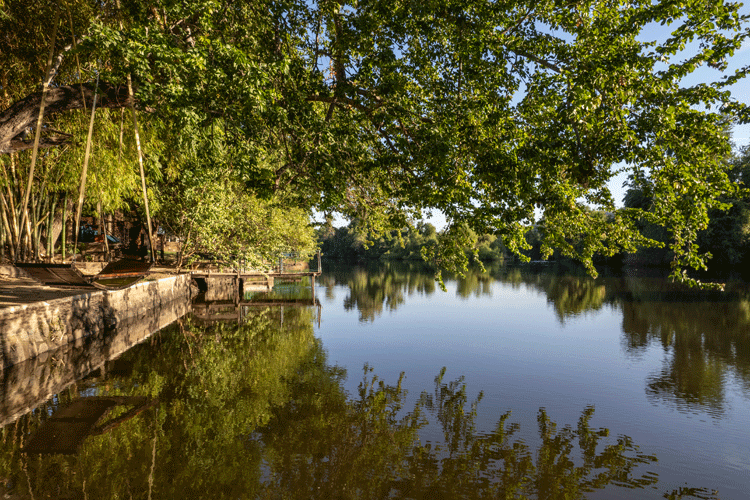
28,330
28,384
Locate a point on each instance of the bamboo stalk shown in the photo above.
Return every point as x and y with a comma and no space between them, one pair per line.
64,232
10,208
51,231
12,154
122,131
82,189
103,229
35,150
2,241
13,172
4,212
78,64
140,154
140,164
36,203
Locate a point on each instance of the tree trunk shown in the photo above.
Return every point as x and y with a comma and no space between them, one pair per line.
64,226
15,120
48,74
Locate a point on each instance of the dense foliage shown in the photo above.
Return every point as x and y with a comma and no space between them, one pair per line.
383,111
726,237
727,234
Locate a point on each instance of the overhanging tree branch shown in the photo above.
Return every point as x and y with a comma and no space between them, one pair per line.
17,120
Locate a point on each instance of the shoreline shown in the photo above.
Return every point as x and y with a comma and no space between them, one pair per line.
36,319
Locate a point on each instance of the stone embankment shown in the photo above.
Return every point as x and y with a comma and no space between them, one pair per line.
30,383
32,329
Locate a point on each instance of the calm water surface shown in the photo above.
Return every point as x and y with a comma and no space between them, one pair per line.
516,383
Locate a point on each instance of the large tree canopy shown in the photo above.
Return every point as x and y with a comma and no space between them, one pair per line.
491,112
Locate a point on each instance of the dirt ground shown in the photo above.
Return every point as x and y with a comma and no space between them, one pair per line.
16,291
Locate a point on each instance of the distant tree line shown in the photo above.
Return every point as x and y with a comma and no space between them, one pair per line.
726,237
352,244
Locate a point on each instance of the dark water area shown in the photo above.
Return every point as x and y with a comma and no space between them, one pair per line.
520,382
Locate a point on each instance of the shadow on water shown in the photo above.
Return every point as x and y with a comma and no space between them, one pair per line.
28,384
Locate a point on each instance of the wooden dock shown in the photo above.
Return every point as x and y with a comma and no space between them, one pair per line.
227,310
260,281
255,275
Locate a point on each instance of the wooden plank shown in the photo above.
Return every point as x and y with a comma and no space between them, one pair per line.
57,275
125,268
259,276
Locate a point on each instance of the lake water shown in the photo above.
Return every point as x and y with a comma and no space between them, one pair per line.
521,382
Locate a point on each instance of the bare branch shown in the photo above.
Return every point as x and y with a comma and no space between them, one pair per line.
538,60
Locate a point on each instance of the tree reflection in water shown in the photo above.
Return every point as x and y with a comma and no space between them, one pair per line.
364,449
378,288
256,411
704,334
322,445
